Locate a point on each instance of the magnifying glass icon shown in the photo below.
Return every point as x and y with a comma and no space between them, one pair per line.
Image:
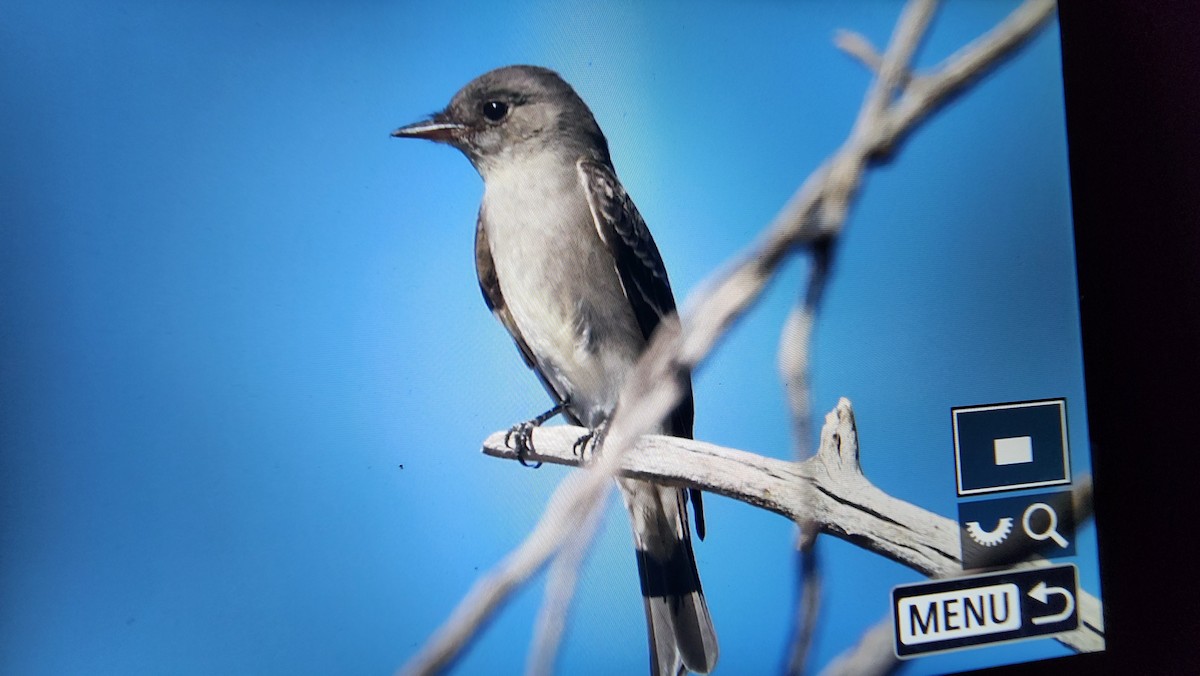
1051,531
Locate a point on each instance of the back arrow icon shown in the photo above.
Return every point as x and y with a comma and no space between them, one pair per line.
1041,593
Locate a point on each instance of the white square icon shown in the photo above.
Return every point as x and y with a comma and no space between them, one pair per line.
1004,447
1013,450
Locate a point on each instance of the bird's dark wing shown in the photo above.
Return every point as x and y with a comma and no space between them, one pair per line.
639,265
643,275
622,229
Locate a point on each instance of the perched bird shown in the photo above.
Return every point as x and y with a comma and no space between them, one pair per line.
567,265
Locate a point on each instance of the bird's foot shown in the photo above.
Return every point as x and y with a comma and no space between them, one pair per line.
520,436
591,441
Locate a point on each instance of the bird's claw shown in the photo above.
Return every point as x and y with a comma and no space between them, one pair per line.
590,441
520,438
522,434
581,443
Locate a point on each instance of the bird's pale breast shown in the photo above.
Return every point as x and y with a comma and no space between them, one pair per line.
559,281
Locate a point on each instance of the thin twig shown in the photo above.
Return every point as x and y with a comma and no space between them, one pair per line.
492,589
872,656
808,607
859,47
560,589
795,350
970,63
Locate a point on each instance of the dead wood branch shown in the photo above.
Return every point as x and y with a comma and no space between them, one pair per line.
828,490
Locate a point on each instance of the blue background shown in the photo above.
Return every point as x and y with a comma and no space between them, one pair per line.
245,369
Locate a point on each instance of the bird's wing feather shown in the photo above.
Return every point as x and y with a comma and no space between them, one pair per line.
642,273
620,226
638,263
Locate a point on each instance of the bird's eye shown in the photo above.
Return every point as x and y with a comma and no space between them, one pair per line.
495,110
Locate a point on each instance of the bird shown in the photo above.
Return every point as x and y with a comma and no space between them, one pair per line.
567,265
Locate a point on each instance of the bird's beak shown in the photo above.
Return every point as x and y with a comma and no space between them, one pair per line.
437,128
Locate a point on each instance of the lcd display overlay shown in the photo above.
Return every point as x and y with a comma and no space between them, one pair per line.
247,369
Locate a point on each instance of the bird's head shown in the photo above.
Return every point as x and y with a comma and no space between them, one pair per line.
513,111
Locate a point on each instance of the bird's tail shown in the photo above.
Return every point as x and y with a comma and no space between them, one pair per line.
681,632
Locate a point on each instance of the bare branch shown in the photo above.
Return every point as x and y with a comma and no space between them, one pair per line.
893,74
809,607
560,589
969,64
828,490
860,48
795,349
576,495
893,70
845,503
557,525
872,656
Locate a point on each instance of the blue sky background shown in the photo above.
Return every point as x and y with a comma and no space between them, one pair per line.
245,368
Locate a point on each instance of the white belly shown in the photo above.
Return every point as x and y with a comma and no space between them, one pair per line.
560,284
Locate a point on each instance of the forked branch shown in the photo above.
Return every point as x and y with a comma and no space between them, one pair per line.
828,491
